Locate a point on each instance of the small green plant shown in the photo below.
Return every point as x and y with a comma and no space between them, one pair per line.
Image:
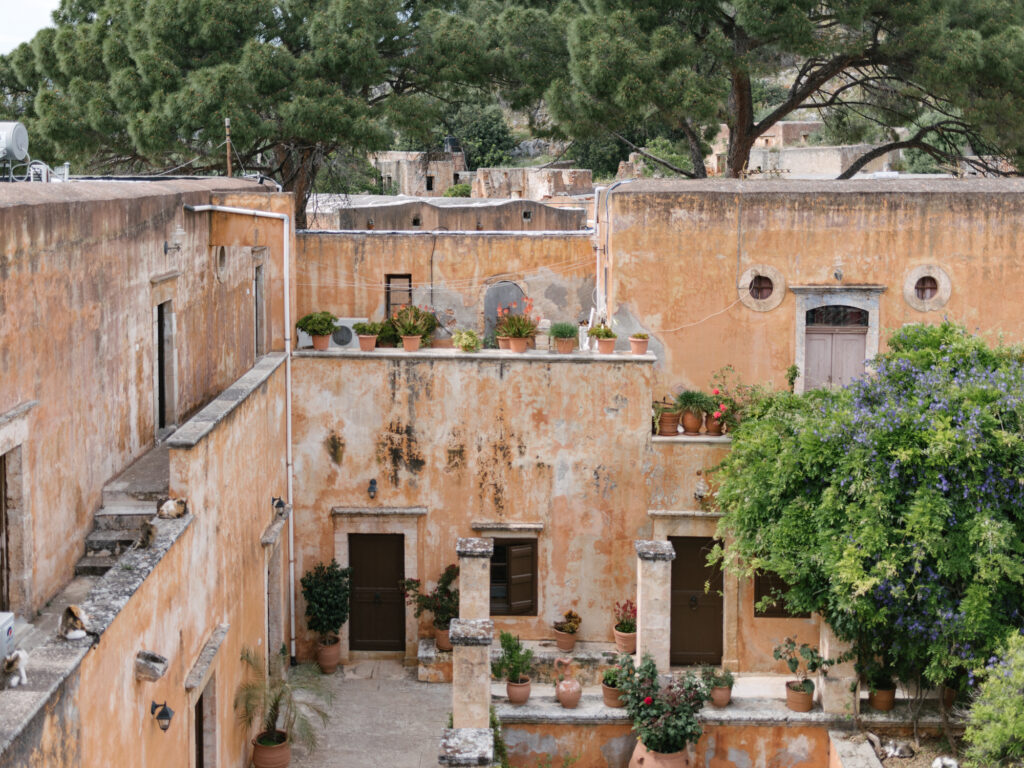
316,324
805,657
442,602
638,336
694,401
714,679
467,340
792,374
611,677
411,320
601,332
367,329
563,331
625,616
514,662
570,623
326,590
458,190
995,723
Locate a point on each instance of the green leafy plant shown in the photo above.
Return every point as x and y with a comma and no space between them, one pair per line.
995,722
282,703
625,616
694,401
516,321
601,332
367,329
611,676
467,340
326,590
664,718
714,679
442,602
316,324
411,320
638,336
792,374
802,660
514,662
570,623
458,190
563,331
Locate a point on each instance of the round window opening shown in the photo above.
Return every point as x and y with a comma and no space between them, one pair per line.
761,287
926,288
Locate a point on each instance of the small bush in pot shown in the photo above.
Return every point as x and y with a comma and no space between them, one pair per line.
625,627
326,590
414,325
691,405
638,343
605,338
442,602
320,326
566,629
467,340
517,325
664,419
881,684
367,333
719,684
610,687
566,336
805,657
514,665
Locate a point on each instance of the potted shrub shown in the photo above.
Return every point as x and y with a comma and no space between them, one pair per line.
664,718
691,405
388,336
666,419
881,686
414,325
442,602
325,588
719,685
518,328
566,629
625,627
367,333
319,325
638,343
282,704
610,688
800,693
605,338
467,341
514,665
566,336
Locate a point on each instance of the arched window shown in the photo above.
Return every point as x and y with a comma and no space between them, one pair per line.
500,294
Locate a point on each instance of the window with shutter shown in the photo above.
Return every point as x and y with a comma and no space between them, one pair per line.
514,577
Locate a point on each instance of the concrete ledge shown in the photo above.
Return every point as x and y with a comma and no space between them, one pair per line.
482,233
498,525
200,672
590,660
17,412
683,513
467,746
204,422
692,440
378,511
844,753
655,550
473,547
484,355
471,632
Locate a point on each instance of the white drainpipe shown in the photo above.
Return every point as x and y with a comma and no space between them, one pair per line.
285,219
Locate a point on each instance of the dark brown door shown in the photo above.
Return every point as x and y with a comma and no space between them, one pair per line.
378,609
696,612
5,563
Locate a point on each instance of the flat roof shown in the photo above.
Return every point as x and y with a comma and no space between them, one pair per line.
902,185
19,193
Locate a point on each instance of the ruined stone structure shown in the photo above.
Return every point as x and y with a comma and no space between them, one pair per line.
420,174
532,183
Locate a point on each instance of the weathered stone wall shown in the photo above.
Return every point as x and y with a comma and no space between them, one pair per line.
816,160
408,171
532,183
499,216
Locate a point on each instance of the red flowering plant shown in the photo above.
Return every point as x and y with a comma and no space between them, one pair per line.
732,398
517,321
625,616
442,602
664,717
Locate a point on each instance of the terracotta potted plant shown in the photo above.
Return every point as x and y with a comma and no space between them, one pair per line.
691,406
467,341
625,627
665,718
320,326
881,687
565,335
414,325
325,588
566,629
666,419
605,338
638,343
610,688
282,705
517,324
722,413
514,665
442,602
367,333
805,661
719,685
568,690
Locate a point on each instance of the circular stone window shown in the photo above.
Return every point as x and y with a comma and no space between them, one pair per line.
761,288
927,288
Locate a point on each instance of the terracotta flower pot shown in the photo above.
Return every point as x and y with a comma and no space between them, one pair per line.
721,696
271,756
606,346
638,346
518,693
692,422
798,700
531,342
625,642
411,343
565,641
503,342
367,343
320,343
441,639
518,345
668,425
565,346
645,758
612,696
328,656
948,697
569,692
713,426
883,699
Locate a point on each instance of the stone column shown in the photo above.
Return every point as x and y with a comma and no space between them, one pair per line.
836,694
475,577
654,600
471,672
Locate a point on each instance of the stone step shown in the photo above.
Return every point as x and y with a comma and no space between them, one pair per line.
114,497
90,565
110,541
123,518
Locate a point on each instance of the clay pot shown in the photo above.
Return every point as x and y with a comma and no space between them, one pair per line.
271,756
320,343
712,426
441,640
367,343
692,422
721,695
518,345
948,697
883,699
565,641
606,346
638,346
503,342
411,343
798,700
612,696
518,693
625,642
565,346
531,342
668,425
569,690
645,758
328,656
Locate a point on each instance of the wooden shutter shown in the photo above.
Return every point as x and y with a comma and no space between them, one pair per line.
522,580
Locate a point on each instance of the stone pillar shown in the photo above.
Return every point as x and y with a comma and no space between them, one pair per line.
654,600
471,672
836,694
467,746
475,577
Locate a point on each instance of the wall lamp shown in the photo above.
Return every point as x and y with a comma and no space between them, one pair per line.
176,237
163,714
372,490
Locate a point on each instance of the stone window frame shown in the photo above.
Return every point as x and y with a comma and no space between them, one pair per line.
941,297
14,435
778,287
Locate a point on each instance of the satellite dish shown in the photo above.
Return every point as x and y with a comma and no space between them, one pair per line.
13,142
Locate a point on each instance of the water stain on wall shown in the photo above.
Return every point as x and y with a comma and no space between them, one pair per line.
398,449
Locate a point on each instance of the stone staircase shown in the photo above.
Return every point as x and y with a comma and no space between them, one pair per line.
129,500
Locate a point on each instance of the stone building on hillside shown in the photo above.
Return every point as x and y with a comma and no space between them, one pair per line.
420,174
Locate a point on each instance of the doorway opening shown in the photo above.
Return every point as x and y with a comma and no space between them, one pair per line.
696,635
260,312
5,547
165,390
377,620
205,728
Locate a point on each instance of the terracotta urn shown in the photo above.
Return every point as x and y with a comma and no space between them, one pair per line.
328,655
712,426
606,346
503,342
645,758
721,695
612,696
565,641
565,346
320,343
518,345
568,691
668,424
692,423
883,699
271,755
638,346
625,642
518,693
367,343
797,699
441,640
411,343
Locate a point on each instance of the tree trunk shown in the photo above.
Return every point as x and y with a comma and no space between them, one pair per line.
741,131
298,171
696,153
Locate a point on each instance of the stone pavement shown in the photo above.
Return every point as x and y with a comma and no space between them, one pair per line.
382,715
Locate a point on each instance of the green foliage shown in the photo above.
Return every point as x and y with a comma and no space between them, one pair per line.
995,723
601,154
714,679
484,135
467,340
625,616
563,331
570,623
919,161
515,321
792,374
638,336
500,748
326,588
442,602
804,658
316,324
664,719
367,329
694,401
602,332
411,320
458,190
514,662
611,677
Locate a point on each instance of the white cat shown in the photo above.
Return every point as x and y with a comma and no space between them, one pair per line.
945,762
14,669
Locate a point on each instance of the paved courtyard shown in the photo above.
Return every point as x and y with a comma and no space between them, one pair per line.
381,715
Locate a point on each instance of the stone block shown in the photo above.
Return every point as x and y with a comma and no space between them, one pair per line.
149,666
466,746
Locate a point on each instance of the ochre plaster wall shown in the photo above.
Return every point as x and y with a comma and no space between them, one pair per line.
501,215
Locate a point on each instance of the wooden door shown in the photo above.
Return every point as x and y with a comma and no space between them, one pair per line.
833,357
377,620
696,634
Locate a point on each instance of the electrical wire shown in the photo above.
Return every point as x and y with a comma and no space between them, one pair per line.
696,322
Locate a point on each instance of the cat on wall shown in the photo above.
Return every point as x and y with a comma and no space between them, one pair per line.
14,670
170,509
74,623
